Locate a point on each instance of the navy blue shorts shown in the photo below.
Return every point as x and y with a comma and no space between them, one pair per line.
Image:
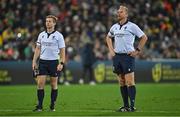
48,67
123,64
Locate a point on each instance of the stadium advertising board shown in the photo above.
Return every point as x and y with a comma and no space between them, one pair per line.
146,71
13,72
166,71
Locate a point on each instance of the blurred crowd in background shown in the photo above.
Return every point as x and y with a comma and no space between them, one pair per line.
84,22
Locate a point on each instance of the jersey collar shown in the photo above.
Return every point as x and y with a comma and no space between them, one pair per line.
123,23
50,33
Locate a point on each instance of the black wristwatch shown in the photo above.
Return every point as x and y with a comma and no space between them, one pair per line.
61,63
138,49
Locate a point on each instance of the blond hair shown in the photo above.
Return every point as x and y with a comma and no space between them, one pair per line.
55,19
125,8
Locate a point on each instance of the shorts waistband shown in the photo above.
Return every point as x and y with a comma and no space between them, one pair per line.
121,53
47,60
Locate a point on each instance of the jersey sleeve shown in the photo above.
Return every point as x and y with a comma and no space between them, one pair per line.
111,32
61,43
38,42
137,31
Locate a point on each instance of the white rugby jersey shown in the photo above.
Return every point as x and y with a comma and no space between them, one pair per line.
50,44
124,36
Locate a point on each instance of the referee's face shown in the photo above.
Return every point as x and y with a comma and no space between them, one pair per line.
50,23
121,13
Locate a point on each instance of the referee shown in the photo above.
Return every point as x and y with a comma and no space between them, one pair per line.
49,46
123,53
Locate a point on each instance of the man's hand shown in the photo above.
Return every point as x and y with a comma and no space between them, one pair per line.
59,67
34,65
112,53
133,53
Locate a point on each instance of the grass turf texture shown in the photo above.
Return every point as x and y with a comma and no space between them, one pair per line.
86,100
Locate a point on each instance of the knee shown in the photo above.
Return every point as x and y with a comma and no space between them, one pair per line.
130,82
40,85
54,85
122,82
130,79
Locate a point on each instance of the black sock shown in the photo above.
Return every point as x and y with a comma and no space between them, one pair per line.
132,94
54,93
124,94
40,95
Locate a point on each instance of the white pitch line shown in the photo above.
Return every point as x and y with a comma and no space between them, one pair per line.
45,110
159,111
10,110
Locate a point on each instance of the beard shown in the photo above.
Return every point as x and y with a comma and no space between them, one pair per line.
47,26
119,18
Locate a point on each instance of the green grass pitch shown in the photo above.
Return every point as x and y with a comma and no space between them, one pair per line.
86,100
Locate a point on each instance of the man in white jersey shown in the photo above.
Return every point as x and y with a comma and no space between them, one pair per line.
123,53
49,47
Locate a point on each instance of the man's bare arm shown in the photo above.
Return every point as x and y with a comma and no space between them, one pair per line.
110,45
35,57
